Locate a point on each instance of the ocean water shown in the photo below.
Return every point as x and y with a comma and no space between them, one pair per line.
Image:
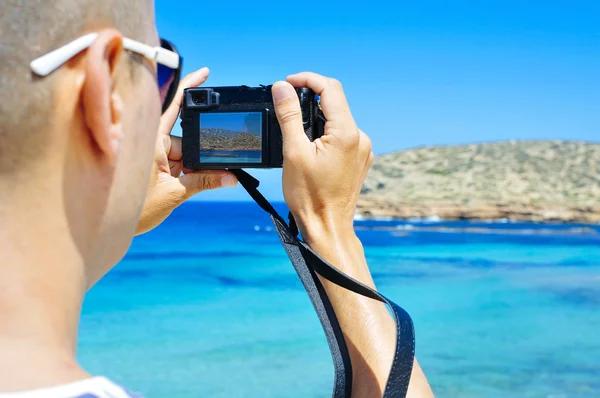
217,156
207,305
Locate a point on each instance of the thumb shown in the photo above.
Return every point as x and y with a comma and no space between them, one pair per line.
198,181
289,115
171,193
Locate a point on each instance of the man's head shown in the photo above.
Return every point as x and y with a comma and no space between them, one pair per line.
76,146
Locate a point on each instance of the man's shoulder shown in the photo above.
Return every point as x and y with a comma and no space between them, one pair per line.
95,387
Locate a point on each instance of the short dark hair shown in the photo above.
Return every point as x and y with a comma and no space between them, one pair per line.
29,29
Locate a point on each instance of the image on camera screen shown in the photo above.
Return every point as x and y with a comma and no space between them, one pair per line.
231,137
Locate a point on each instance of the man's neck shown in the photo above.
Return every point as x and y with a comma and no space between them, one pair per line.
42,283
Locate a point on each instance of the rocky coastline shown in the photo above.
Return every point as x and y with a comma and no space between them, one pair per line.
377,209
228,140
537,181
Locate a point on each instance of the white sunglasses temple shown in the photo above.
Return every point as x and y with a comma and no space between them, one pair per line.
48,63
158,54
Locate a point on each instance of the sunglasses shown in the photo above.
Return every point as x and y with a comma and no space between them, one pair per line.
168,77
166,57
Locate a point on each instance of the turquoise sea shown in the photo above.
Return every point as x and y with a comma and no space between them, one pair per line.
216,156
207,305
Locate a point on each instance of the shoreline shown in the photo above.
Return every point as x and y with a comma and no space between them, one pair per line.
403,230
528,181
373,209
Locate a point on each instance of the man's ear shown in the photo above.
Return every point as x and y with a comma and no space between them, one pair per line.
101,104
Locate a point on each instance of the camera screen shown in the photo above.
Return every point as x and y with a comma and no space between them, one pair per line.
231,137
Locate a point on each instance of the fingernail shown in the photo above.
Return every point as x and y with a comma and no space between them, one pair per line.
282,91
200,73
228,181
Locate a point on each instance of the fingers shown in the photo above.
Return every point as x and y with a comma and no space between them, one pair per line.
192,183
333,100
171,193
175,151
289,115
205,180
168,119
333,103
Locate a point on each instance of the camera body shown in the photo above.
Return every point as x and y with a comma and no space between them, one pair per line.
236,127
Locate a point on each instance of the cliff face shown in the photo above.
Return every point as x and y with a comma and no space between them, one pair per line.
527,180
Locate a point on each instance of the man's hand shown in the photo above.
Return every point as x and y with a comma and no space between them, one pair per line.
321,179
321,183
168,188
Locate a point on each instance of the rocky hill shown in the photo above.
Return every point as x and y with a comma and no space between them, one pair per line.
228,140
519,180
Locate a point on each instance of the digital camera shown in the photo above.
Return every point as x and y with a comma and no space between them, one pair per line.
236,127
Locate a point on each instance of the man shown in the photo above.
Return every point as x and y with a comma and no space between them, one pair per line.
78,146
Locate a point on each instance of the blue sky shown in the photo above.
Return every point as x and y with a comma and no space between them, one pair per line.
416,73
232,121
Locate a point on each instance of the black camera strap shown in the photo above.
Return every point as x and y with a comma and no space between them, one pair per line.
308,266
